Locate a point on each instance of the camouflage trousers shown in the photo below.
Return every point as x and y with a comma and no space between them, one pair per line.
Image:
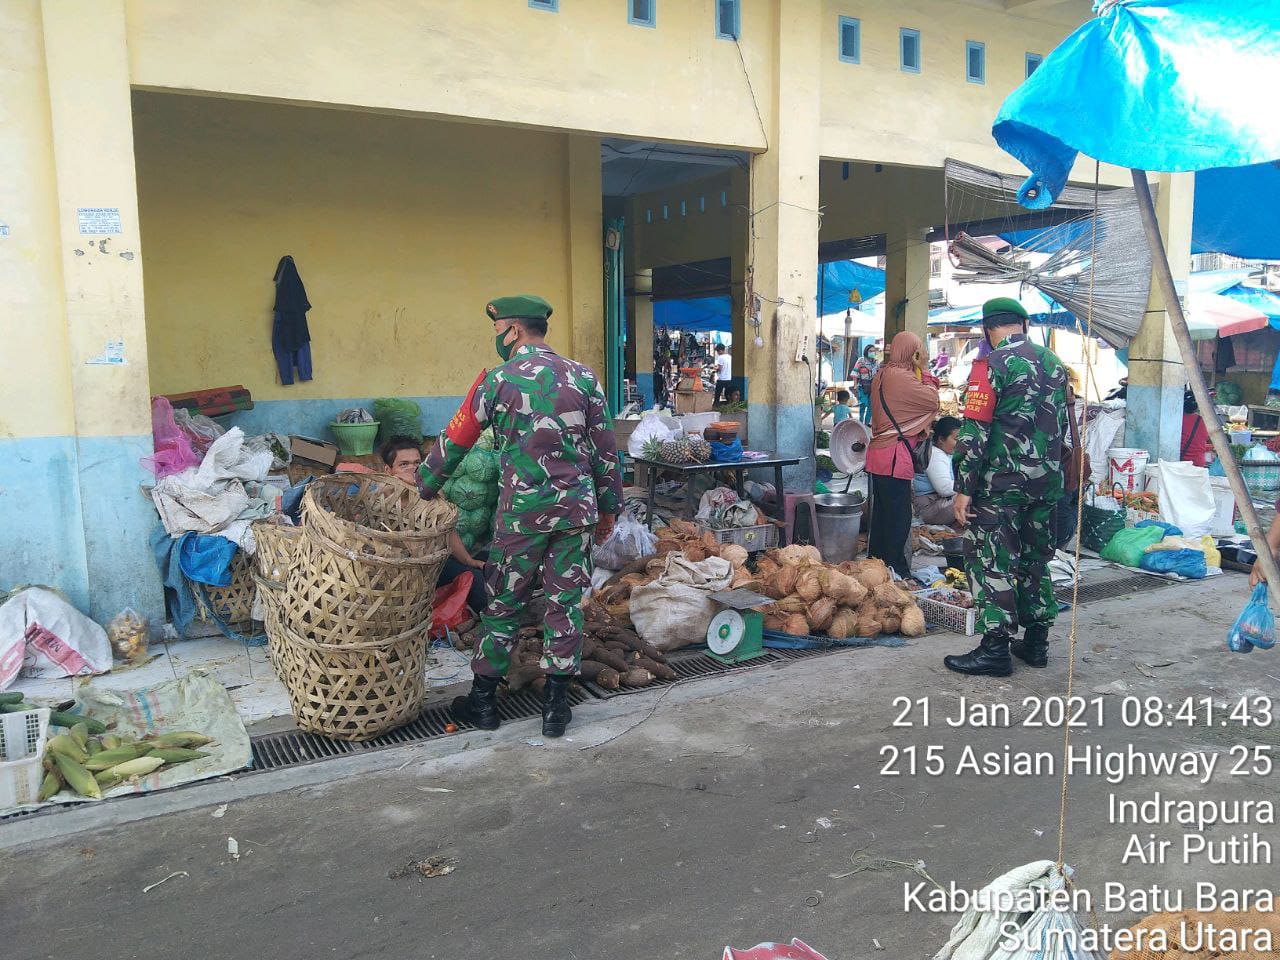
561,561
1009,567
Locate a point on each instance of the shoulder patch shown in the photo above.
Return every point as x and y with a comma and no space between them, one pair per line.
980,398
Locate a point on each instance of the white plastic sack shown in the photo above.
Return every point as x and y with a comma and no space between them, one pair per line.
629,541
653,426
981,933
41,635
675,610
1186,497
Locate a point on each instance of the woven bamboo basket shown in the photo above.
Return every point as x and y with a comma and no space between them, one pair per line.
384,515
353,690
338,593
231,604
271,593
277,545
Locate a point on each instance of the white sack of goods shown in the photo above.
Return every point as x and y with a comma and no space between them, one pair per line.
675,610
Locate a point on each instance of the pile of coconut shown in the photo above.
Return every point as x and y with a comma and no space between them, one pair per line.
853,599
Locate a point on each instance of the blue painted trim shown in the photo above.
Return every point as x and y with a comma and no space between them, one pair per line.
1030,62
904,34
851,52
786,430
970,48
634,20
548,6
1153,419
311,418
734,29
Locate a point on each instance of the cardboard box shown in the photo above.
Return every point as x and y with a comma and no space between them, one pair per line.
693,401
314,451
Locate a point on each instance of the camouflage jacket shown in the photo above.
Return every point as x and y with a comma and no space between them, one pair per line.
1015,417
557,454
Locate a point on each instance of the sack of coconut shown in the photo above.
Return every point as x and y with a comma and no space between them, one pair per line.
675,610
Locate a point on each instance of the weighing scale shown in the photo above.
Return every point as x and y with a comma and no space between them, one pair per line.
737,632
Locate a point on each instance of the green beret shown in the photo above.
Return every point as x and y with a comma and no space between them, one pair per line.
1005,305
524,305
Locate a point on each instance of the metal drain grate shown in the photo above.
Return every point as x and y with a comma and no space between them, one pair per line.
688,665
1111,589
274,750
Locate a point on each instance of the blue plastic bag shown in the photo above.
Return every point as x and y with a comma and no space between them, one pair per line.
1169,529
1255,627
1191,564
726,452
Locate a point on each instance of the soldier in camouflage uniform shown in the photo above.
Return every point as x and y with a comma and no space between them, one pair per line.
561,482
1008,467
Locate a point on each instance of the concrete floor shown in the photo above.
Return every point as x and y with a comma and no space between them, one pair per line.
703,825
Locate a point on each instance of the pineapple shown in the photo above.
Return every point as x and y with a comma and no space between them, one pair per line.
652,450
699,449
675,452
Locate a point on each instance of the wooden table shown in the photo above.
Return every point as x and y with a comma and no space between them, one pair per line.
688,471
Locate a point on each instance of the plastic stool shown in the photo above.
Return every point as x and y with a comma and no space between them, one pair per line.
805,500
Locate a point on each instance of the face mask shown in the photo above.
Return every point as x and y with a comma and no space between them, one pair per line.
504,349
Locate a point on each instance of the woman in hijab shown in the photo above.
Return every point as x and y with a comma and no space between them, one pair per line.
904,405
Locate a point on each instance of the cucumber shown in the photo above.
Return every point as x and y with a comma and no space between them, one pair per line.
10,696
58,718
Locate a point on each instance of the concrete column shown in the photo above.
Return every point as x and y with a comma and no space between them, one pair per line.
642,332
743,333
92,127
906,291
783,257
586,253
1157,377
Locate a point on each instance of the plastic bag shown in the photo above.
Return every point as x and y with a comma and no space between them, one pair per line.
173,449
449,609
43,635
1128,546
397,418
1255,627
127,633
1186,497
629,541
200,430
1185,563
653,426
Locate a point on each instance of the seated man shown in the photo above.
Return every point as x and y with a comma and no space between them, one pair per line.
934,491
402,456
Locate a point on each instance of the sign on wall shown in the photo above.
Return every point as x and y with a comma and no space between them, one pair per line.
98,221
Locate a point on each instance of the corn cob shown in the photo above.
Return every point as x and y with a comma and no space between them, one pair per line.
79,779
110,741
176,754
180,738
93,746
49,787
80,734
138,767
110,758
63,745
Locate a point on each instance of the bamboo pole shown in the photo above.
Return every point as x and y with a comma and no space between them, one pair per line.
1217,436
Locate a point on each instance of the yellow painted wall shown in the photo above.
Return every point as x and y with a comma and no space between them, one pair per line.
35,377
583,68
402,229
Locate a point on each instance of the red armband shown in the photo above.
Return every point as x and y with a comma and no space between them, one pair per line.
464,429
980,398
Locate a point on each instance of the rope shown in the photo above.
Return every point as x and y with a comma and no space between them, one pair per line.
1081,480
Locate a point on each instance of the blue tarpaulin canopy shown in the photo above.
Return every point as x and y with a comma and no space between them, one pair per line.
698,315
1237,211
1167,85
1041,310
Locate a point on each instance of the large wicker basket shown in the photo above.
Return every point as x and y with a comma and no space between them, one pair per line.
277,546
233,604
386,515
352,690
339,593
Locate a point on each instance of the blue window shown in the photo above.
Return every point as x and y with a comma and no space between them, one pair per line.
682,209
975,61
702,204
1033,60
666,212
728,19
643,13
850,40
648,216
909,49
551,5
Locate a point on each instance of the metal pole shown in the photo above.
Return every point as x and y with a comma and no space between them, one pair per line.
1221,445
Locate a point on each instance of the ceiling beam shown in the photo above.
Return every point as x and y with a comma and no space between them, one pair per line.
1026,6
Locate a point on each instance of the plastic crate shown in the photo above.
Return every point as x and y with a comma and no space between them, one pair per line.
763,536
962,620
22,739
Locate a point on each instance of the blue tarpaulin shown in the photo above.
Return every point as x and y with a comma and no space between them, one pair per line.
697,315
1237,211
1165,85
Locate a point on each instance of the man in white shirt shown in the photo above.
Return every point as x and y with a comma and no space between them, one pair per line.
934,491
724,375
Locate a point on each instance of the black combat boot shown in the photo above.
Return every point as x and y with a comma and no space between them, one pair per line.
555,706
990,659
1033,648
479,708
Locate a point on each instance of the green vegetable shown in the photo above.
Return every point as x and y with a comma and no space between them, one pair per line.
60,718
12,696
